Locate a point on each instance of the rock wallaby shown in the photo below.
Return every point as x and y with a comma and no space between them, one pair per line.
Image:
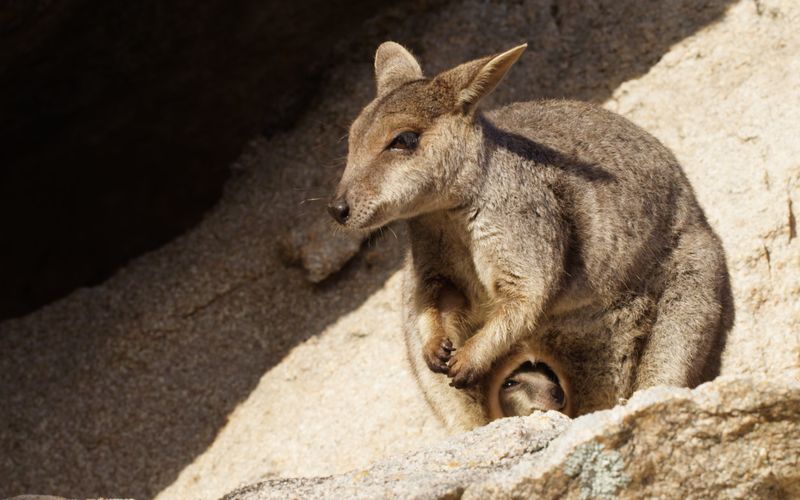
529,387
524,217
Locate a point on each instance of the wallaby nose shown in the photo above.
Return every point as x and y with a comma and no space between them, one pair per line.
340,210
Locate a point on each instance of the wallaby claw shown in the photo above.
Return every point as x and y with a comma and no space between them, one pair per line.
438,354
463,374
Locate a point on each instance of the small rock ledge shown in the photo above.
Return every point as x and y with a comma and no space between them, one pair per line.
732,438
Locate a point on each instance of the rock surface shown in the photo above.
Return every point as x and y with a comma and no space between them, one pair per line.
729,110
320,249
732,438
118,121
210,365
442,471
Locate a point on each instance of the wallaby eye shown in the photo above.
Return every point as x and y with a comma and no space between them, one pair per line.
405,141
509,383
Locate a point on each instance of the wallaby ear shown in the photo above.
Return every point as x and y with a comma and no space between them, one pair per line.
475,80
394,66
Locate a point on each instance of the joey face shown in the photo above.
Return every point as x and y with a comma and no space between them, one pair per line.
529,388
407,147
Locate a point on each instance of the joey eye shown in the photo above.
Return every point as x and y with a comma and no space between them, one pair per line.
405,141
509,383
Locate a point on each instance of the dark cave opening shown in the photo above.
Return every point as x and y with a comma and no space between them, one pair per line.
119,120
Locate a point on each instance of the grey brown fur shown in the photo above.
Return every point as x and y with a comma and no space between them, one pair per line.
530,387
564,227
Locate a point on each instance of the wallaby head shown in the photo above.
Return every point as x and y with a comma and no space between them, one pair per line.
411,148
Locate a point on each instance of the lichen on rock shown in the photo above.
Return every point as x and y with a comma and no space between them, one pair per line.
731,438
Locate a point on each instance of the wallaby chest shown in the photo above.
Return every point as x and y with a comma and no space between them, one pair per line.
444,245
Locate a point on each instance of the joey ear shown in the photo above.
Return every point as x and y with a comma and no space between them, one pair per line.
394,66
476,79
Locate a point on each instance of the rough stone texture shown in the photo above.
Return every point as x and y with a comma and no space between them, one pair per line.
50,497
442,471
208,364
732,438
320,249
36,497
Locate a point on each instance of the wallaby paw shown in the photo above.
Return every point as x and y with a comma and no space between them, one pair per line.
463,370
437,354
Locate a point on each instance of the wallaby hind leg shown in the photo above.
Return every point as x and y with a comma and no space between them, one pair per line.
692,315
459,410
429,326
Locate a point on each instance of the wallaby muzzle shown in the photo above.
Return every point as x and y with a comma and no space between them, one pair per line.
339,210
